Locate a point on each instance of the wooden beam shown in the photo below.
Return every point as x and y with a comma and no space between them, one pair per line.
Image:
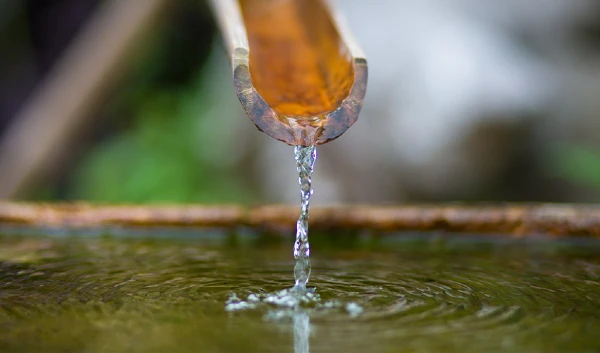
516,220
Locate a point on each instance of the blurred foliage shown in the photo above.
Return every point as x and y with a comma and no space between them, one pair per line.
160,117
155,161
578,164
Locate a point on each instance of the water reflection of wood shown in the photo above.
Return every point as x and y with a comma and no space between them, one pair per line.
514,219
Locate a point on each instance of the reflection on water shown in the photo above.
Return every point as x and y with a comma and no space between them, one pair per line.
227,294
301,332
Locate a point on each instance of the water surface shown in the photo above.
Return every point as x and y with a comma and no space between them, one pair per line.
166,292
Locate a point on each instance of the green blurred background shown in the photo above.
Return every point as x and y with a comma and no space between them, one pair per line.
159,134
142,144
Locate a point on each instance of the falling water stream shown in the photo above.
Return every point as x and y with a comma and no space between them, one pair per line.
158,290
305,162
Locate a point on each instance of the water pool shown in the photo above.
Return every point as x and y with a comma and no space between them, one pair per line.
167,291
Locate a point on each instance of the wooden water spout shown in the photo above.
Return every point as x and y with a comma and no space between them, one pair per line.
297,71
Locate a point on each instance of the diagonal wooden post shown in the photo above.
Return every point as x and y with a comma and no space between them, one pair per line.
71,92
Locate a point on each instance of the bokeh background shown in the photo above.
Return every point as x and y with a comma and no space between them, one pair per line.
132,101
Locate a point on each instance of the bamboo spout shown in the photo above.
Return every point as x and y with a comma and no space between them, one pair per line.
298,73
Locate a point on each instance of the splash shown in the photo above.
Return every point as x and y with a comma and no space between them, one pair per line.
305,161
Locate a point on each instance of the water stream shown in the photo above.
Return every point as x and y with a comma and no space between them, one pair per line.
305,161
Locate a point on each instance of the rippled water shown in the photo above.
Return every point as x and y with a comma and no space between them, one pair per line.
372,294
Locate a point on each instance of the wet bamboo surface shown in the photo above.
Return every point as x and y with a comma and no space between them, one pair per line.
298,62
516,220
297,70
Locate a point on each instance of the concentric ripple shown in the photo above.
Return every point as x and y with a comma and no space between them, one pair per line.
392,294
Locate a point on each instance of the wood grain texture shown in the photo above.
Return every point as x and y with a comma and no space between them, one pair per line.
500,220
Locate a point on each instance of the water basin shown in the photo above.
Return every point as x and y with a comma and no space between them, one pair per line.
189,290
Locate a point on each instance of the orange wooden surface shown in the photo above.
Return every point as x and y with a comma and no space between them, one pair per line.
298,63
516,220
